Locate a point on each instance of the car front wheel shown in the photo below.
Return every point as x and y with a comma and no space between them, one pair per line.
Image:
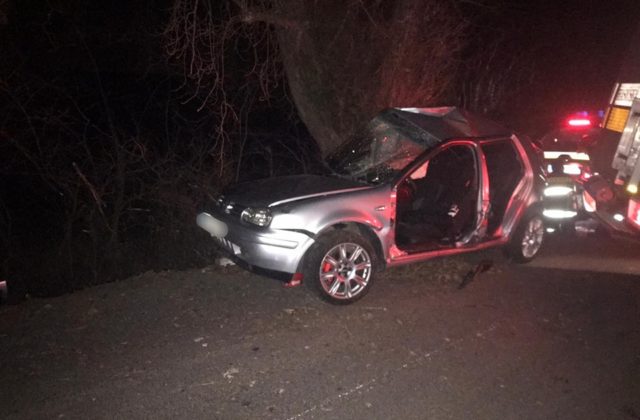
527,239
340,267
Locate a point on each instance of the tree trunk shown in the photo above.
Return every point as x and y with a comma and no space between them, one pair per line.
348,60
344,60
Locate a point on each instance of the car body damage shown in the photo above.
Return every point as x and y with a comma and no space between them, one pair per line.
412,185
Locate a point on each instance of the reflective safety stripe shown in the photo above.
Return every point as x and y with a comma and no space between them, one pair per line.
616,119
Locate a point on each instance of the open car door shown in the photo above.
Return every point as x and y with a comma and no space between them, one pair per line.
438,202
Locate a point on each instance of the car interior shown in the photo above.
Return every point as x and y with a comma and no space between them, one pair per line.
437,203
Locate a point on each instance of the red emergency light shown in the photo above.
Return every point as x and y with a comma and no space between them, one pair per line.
579,122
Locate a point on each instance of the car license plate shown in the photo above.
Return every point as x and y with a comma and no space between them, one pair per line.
215,227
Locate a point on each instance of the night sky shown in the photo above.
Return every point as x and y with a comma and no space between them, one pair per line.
574,50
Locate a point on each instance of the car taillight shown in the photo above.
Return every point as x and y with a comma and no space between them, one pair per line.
589,202
633,212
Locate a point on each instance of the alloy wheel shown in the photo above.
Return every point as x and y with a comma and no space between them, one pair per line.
345,271
532,237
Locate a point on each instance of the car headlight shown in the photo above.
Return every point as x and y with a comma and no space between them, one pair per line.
557,191
219,200
259,217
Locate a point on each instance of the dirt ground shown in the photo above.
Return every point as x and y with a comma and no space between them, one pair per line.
559,338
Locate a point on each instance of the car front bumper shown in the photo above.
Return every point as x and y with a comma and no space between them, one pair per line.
270,249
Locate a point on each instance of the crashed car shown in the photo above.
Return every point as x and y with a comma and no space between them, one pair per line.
415,184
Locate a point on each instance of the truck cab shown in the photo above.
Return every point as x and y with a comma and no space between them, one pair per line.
626,162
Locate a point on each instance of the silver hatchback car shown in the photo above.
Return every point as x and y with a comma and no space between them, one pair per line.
415,184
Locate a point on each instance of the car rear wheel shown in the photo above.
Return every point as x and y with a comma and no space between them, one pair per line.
340,267
527,239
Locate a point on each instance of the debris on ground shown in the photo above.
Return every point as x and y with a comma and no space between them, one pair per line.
224,261
229,374
482,266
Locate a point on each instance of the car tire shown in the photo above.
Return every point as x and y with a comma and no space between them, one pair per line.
527,240
340,267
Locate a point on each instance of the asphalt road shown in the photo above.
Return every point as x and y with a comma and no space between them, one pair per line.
556,339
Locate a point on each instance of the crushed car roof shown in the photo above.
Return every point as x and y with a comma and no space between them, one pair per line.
445,123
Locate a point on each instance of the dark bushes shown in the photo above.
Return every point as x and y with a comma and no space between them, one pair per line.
100,183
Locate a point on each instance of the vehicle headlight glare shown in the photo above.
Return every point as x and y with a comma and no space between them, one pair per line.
259,217
559,214
557,191
572,169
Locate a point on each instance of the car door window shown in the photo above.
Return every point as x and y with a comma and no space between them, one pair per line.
505,171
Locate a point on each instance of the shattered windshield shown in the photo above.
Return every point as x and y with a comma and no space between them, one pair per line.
377,153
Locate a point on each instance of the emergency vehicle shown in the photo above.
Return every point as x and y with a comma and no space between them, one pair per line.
623,116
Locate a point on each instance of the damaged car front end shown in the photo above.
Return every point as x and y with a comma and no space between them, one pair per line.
274,234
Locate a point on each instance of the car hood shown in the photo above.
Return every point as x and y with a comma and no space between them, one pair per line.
279,190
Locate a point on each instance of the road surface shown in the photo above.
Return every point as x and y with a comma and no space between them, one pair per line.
556,339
